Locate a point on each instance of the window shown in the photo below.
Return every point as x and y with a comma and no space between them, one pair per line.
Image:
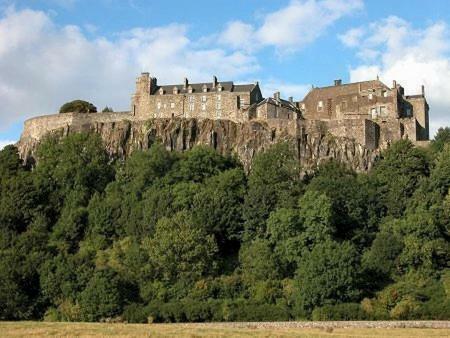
219,97
205,89
373,112
161,91
385,93
383,111
191,106
204,98
219,89
165,105
370,96
158,105
191,99
172,105
203,106
189,89
218,114
218,105
320,106
344,105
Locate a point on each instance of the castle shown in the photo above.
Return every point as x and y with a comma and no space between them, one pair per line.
369,114
369,111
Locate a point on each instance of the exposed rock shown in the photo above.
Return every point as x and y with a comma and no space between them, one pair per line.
123,136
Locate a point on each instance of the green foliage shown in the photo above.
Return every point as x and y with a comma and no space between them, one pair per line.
328,274
441,139
77,106
107,110
173,237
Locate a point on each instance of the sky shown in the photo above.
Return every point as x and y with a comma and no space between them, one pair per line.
54,51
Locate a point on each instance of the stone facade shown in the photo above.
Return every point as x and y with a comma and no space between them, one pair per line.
398,116
213,100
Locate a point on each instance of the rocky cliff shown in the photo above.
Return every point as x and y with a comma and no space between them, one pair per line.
123,136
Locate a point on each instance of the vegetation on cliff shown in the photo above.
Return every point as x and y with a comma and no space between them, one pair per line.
78,106
171,237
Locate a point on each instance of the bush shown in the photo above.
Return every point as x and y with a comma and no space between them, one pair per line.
344,311
135,313
78,106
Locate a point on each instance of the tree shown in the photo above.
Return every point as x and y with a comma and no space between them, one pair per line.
77,106
107,110
102,298
179,251
441,139
328,275
257,261
274,181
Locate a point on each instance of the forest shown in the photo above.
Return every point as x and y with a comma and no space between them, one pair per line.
192,237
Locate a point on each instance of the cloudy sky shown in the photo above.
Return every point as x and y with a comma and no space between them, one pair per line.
52,51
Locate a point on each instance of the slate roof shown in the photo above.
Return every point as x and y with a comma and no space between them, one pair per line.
227,86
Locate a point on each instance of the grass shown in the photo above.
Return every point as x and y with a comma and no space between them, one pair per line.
46,329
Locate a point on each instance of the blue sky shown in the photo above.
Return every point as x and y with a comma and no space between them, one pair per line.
52,51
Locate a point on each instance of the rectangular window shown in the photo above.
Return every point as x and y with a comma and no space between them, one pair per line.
373,112
385,93
191,106
344,105
191,99
218,105
203,106
383,111
219,97
172,105
320,106
158,105
370,96
204,98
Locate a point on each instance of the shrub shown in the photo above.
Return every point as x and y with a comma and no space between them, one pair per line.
344,311
78,106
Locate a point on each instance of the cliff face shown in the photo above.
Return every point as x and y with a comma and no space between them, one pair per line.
123,136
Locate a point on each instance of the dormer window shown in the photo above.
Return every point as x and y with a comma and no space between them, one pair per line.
190,89
219,88
161,91
204,88
175,90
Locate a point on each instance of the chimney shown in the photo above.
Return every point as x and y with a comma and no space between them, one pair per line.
291,99
394,84
276,95
214,83
423,90
186,83
337,82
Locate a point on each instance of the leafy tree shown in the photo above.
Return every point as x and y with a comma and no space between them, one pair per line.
107,110
257,261
328,275
180,251
77,106
441,139
273,181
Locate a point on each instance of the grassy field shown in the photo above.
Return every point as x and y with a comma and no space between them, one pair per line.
43,329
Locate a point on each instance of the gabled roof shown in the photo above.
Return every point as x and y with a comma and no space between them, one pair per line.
227,86
281,102
347,88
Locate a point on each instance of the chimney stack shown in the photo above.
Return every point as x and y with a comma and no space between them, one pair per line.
214,83
276,95
337,82
423,90
186,83
394,84
291,99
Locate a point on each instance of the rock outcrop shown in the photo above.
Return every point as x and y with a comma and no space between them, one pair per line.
124,135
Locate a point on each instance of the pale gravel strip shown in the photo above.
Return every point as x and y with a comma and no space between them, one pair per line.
431,324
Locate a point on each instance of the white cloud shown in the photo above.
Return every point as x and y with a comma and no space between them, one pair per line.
4,143
43,65
352,37
292,27
395,50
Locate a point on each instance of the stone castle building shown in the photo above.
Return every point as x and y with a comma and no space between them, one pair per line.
368,111
364,116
